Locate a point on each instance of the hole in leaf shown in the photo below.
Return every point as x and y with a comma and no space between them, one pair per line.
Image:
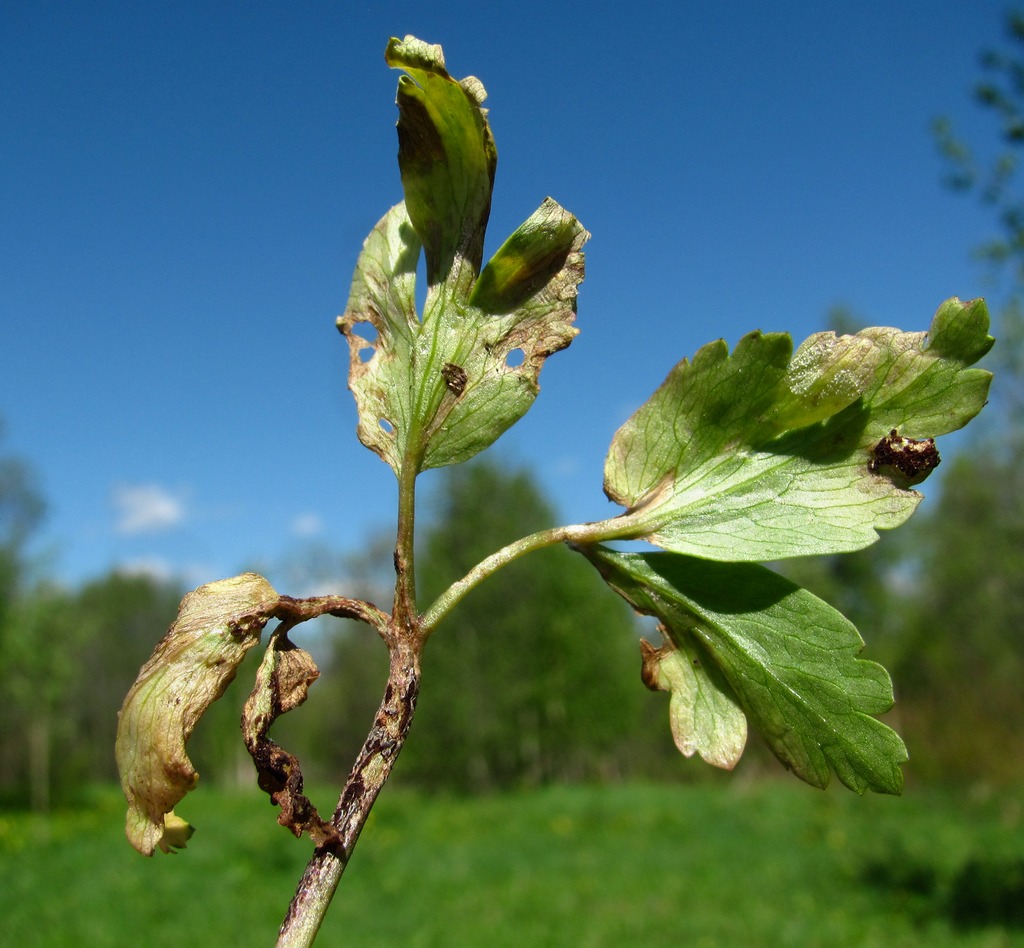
385,425
367,332
515,358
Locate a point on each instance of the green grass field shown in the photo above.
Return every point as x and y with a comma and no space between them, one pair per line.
737,864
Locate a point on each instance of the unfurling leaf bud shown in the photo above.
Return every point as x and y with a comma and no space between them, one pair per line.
190,669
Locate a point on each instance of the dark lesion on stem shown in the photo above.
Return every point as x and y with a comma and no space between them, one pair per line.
282,684
369,773
280,776
403,635
293,611
382,745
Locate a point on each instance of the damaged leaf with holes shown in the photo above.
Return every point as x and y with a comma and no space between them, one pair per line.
436,389
189,669
766,453
744,641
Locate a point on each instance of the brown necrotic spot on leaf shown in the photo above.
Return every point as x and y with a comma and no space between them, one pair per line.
906,461
650,659
455,378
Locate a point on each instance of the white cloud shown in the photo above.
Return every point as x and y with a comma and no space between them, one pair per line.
163,570
146,508
154,567
307,525
566,467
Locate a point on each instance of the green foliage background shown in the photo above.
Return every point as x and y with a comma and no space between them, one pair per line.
534,677
734,863
517,693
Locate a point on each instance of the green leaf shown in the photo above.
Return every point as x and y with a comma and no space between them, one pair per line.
447,158
764,454
704,715
437,390
789,658
189,669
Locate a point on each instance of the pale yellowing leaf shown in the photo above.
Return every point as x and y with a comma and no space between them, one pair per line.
189,669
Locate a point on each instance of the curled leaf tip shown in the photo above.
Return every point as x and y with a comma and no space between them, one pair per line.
411,51
189,669
704,716
744,644
176,833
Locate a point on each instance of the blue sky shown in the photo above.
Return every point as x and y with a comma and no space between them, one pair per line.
185,187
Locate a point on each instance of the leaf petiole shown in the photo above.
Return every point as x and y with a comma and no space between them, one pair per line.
615,528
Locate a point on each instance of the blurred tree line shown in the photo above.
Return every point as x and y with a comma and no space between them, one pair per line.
65,655
535,677
941,601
